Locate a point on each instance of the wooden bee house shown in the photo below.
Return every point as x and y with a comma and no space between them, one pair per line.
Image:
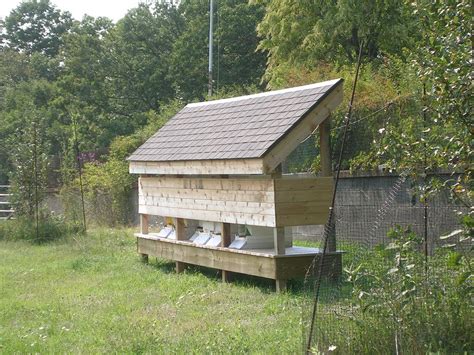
220,161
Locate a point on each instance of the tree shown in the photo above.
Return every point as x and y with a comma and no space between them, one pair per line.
29,157
236,61
140,49
312,32
84,86
441,136
35,26
444,63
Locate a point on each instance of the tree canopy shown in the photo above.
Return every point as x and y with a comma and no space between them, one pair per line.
116,78
36,26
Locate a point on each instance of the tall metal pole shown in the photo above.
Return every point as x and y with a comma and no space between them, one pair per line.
211,33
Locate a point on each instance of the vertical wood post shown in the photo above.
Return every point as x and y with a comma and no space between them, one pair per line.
326,170
280,285
325,147
144,230
143,223
180,235
279,240
225,242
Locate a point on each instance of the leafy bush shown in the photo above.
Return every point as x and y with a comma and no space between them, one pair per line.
29,158
107,183
50,228
107,192
402,301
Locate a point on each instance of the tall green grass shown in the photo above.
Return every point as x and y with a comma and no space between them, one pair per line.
91,294
50,228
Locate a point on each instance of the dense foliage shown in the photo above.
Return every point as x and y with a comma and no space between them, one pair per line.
112,77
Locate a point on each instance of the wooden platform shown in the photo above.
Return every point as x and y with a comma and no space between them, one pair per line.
264,263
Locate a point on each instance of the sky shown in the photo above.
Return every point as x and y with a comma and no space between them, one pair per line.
113,9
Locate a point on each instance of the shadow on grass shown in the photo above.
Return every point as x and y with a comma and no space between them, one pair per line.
295,286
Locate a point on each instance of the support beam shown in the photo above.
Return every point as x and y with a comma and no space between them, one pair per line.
144,230
277,172
180,235
280,285
144,258
279,240
279,243
143,223
225,242
326,170
325,147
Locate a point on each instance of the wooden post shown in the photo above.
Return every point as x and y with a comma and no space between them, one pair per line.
180,235
143,223
280,285
326,170
225,242
144,230
325,147
277,172
279,240
279,243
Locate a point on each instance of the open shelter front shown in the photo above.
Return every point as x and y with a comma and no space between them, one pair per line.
214,172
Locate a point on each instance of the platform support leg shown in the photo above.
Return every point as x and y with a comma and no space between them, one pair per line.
280,285
180,235
144,230
225,242
180,267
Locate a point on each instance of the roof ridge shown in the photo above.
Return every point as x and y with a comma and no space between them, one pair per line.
266,93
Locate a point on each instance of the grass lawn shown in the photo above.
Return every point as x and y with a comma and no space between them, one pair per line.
93,294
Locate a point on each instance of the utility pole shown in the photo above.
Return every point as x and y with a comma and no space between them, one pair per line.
211,30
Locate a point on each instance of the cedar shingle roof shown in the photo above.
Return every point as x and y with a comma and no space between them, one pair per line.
237,128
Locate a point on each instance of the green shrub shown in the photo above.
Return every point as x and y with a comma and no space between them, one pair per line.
107,190
107,183
50,228
400,300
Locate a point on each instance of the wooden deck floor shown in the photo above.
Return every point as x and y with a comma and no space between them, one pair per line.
261,262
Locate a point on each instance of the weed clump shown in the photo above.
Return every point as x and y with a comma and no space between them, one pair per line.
50,228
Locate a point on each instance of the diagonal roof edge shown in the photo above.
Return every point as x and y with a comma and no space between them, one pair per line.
263,94
335,83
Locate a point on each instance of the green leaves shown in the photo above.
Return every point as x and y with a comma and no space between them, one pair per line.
36,27
310,32
28,154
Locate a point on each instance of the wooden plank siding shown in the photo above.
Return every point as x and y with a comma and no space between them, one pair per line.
239,201
263,202
304,201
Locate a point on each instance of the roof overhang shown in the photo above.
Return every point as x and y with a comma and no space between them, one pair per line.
264,165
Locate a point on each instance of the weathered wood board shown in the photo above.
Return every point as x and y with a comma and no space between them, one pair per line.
204,167
270,202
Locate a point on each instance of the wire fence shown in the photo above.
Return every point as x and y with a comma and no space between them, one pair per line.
402,287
